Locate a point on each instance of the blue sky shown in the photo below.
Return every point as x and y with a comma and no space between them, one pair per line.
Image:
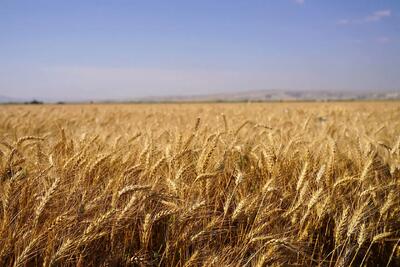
124,49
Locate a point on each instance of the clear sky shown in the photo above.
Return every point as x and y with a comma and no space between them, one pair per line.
124,49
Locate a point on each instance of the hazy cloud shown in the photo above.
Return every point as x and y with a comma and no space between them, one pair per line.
374,17
343,21
378,15
71,83
124,83
383,40
299,2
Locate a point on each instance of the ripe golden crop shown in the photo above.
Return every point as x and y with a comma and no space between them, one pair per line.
239,184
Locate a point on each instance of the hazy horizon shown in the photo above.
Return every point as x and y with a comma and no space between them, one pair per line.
129,49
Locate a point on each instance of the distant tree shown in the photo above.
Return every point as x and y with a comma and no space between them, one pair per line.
34,102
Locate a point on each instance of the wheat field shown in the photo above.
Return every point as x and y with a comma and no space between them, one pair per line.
240,184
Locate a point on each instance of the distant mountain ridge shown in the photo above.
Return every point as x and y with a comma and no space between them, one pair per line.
260,95
6,99
281,95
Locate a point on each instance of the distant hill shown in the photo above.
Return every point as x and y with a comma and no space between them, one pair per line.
260,95
14,100
6,99
277,95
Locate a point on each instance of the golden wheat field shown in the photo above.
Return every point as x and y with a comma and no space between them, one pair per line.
258,184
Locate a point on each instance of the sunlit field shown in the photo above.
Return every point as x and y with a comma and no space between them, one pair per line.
239,184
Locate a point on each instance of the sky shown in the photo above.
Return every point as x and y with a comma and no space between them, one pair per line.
119,49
